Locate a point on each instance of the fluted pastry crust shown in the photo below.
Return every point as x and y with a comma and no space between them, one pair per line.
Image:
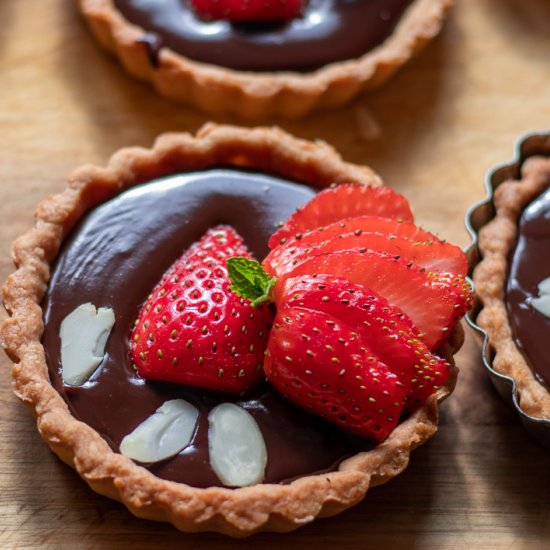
496,241
236,512
217,90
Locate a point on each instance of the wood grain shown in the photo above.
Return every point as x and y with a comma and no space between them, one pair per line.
432,132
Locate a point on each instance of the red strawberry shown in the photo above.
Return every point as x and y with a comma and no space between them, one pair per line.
434,302
385,329
364,224
248,10
432,255
343,201
324,367
194,330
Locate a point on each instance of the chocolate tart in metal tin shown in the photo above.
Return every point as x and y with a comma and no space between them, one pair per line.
530,149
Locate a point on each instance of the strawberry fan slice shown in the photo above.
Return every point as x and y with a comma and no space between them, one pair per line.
324,367
432,254
344,201
363,224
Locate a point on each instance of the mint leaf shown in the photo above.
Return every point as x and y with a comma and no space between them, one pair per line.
249,280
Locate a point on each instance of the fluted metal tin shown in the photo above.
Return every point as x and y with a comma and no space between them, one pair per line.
479,215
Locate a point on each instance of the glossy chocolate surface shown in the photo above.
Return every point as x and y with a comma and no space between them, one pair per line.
328,31
530,264
114,258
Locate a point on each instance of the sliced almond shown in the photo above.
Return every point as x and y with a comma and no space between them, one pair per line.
237,448
542,303
83,334
164,434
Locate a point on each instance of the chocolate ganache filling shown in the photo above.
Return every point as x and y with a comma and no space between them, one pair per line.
328,31
529,266
114,258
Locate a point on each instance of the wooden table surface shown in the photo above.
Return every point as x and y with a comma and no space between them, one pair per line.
432,132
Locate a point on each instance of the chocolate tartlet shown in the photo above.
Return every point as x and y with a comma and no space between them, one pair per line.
509,283
120,222
320,60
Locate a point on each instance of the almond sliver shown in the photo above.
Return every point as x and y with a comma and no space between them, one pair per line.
164,434
238,453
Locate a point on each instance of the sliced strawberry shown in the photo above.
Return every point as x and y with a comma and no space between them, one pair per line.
433,255
385,329
364,224
324,367
461,295
248,10
433,302
194,330
344,201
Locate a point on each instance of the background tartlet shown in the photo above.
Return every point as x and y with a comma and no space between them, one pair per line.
493,225
217,90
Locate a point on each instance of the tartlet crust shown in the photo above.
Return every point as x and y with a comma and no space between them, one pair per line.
496,241
217,90
235,512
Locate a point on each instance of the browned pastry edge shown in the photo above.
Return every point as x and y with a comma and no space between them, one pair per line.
496,241
238,512
217,90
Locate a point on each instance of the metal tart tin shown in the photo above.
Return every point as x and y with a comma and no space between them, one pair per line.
481,213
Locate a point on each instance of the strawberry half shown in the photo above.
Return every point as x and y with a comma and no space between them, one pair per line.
248,10
194,330
343,201
324,367
385,329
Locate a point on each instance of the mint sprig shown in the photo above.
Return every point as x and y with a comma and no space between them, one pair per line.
249,280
